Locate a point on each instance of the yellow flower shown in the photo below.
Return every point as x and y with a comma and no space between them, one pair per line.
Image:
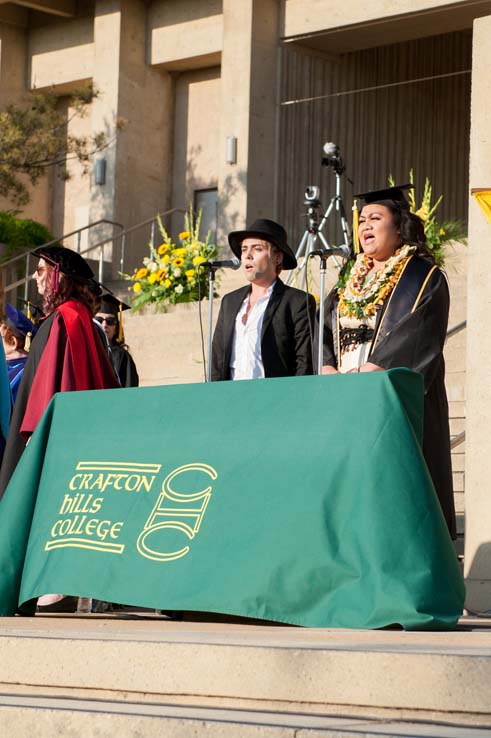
177,262
167,283
179,252
198,260
190,273
141,273
163,248
423,212
161,274
184,235
137,287
166,259
153,278
442,231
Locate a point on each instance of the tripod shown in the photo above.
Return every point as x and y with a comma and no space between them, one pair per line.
314,230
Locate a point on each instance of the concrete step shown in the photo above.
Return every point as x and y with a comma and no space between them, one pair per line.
146,676
79,718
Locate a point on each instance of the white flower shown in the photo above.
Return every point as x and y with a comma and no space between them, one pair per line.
152,266
177,272
146,260
179,289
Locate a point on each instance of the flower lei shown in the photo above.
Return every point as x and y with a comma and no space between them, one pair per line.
364,292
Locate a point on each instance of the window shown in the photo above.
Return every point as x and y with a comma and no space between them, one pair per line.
207,201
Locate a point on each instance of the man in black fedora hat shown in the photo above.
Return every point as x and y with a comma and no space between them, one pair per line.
263,328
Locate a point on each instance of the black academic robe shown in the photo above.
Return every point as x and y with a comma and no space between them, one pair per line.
286,347
124,366
51,342
410,332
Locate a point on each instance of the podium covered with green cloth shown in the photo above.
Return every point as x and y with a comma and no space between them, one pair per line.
300,500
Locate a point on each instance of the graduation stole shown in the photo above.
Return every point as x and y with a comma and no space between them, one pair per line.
404,298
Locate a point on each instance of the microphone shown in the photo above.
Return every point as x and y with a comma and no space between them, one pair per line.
330,148
342,250
223,264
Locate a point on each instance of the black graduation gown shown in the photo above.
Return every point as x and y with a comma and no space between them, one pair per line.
124,366
15,443
410,332
43,341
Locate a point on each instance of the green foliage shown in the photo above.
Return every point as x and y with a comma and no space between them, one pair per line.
35,137
20,234
438,234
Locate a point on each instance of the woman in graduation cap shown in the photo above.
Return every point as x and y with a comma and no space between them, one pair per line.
66,354
109,316
393,312
17,331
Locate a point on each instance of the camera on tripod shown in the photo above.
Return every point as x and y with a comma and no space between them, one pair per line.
312,196
332,157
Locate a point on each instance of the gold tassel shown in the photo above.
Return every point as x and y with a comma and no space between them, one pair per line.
356,242
27,342
29,314
121,332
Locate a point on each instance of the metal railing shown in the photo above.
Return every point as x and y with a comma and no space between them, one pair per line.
17,264
459,438
456,329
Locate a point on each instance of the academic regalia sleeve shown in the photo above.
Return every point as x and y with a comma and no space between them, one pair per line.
131,378
5,396
416,341
304,325
218,347
125,366
329,333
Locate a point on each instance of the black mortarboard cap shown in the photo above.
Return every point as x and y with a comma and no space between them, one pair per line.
69,262
396,194
111,305
35,311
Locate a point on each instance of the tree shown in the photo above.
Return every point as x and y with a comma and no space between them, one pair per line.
35,138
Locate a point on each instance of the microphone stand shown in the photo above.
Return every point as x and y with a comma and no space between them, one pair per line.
211,288
320,348
324,256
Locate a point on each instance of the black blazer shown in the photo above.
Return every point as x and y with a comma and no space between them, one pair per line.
286,347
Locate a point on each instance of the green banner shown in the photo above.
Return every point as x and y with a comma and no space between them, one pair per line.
302,500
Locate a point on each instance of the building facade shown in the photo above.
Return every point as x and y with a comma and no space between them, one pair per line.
228,104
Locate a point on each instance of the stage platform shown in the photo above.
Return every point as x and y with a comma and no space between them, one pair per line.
139,674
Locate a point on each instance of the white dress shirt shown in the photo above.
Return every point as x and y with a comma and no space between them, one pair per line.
246,360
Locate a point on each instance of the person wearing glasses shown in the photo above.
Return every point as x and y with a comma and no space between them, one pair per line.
109,316
66,354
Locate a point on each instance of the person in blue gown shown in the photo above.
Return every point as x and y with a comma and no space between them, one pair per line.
16,331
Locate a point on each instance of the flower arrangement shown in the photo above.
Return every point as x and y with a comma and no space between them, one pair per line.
438,235
171,273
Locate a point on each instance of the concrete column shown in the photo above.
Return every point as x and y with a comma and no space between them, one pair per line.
478,438
137,174
107,51
13,75
249,73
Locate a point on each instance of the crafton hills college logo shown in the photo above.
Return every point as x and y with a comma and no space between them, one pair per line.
82,523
